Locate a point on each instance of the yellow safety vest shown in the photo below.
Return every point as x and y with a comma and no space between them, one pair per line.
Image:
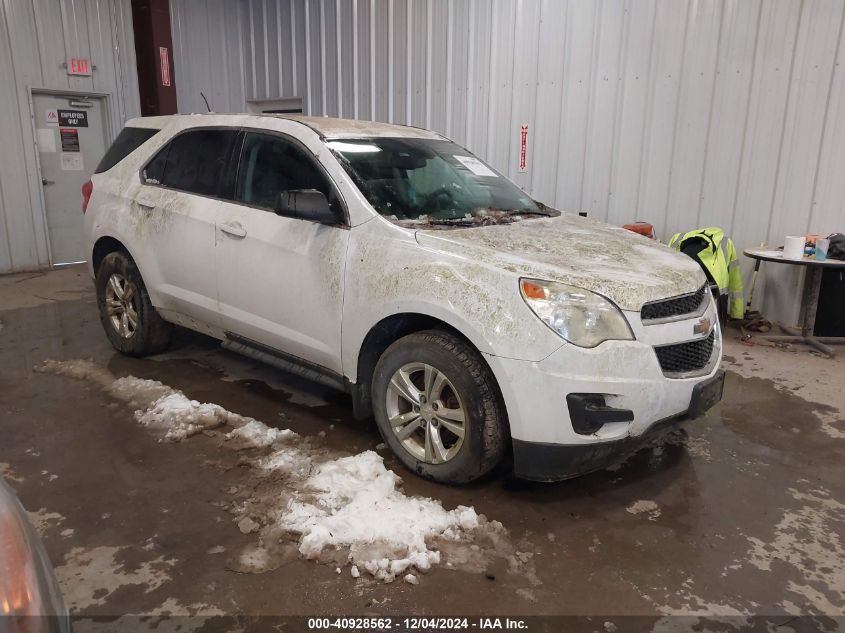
721,262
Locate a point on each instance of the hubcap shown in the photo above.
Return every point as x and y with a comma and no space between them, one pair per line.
121,305
426,413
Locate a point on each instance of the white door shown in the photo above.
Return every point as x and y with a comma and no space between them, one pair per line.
71,140
175,214
280,279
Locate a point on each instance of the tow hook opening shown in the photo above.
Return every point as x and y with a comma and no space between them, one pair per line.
589,412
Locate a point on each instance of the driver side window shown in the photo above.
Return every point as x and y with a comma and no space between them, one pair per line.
269,165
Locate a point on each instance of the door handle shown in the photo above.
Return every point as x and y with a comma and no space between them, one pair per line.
233,228
145,203
46,182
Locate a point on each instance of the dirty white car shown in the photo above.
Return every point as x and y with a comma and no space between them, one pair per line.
391,263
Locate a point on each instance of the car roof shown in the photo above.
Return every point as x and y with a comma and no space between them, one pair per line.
326,127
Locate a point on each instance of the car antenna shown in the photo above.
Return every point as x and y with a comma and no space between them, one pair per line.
207,107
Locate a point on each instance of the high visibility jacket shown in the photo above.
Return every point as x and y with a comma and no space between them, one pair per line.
720,260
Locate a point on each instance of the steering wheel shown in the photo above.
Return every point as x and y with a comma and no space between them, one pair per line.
441,199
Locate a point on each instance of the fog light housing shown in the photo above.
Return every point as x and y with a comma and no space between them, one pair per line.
589,412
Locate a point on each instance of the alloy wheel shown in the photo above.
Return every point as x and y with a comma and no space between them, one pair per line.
425,413
122,305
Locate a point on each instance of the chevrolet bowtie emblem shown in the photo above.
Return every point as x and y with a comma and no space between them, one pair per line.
702,327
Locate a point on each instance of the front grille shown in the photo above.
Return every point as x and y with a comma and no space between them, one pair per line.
676,306
686,357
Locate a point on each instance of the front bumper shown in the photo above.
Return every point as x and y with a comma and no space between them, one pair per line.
538,461
625,385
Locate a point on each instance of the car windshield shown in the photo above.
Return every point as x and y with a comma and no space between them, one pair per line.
431,182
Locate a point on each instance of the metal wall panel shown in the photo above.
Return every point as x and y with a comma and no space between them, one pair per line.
682,113
36,39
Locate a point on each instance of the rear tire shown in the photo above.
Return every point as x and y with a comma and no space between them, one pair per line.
438,407
131,322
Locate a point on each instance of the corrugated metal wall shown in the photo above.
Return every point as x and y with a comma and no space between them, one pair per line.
36,38
682,113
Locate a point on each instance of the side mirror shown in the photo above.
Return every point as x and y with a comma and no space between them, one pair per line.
306,204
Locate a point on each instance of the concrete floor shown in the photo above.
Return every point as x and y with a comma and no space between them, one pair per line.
743,513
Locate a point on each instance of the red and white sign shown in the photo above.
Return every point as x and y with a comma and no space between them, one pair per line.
79,66
164,58
523,149
52,118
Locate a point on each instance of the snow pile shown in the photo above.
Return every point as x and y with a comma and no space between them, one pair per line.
138,392
255,434
334,507
292,461
159,407
355,504
86,370
179,417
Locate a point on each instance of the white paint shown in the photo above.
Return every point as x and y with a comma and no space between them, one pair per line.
343,281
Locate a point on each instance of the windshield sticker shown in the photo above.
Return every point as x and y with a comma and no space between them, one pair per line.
476,166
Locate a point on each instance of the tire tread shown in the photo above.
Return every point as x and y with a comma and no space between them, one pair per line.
494,435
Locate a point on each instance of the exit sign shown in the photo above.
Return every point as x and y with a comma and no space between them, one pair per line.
79,66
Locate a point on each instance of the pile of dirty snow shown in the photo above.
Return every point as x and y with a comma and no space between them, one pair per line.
329,504
356,504
180,417
255,434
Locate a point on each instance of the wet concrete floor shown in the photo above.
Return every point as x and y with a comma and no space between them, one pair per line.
742,513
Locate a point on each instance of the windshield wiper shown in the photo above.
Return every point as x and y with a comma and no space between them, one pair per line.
529,212
453,222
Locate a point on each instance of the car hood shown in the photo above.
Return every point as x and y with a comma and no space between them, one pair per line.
627,268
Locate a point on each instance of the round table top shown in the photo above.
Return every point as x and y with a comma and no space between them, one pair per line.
769,255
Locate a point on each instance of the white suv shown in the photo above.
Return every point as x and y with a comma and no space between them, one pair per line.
391,263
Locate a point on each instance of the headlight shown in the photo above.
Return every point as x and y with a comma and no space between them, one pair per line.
581,317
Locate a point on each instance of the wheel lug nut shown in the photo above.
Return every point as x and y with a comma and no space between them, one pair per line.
434,406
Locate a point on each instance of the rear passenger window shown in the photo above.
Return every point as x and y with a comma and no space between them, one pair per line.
270,165
193,161
129,139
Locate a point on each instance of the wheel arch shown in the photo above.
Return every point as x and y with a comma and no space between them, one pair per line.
102,247
383,334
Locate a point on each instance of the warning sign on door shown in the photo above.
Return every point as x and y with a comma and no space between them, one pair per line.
73,118
164,58
70,139
523,149
71,162
52,118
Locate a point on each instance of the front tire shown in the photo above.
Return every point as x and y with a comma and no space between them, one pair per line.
131,322
438,407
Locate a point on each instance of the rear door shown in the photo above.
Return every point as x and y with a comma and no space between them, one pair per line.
175,211
280,279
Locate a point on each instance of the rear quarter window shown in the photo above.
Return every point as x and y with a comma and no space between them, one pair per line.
129,139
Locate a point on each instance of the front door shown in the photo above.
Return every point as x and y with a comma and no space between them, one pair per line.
71,140
280,279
